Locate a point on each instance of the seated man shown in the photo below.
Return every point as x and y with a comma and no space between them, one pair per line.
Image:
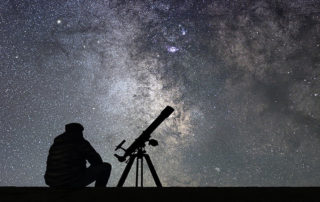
66,163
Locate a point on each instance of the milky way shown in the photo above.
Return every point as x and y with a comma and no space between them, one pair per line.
242,76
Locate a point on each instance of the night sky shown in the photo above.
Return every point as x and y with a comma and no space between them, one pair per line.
242,76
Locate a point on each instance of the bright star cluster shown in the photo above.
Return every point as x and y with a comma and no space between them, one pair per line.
242,76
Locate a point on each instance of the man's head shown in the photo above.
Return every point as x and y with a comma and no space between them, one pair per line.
74,128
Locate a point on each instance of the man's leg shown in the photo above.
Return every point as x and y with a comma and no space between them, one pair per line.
103,175
99,173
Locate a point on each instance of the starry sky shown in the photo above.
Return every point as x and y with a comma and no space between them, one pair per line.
242,76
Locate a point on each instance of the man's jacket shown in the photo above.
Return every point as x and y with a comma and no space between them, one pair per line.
67,159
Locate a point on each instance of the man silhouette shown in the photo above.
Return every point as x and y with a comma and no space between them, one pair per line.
66,163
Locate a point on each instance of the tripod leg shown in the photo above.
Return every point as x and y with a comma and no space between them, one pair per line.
126,171
141,172
153,171
137,172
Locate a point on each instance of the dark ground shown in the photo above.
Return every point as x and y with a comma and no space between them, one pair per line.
175,194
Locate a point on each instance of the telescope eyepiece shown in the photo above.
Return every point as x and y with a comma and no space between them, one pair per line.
120,158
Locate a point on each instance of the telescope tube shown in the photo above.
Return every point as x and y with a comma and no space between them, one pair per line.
163,115
145,136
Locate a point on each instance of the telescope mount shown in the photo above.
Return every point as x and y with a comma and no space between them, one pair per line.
139,155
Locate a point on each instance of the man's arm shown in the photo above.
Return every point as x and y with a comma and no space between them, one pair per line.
90,154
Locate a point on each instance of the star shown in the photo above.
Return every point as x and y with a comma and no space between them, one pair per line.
172,49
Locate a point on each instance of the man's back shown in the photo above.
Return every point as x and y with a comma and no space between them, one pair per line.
66,163
67,159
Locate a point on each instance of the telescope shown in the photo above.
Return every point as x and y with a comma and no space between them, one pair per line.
137,149
145,136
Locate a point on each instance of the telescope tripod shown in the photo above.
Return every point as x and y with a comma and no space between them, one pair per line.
139,155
